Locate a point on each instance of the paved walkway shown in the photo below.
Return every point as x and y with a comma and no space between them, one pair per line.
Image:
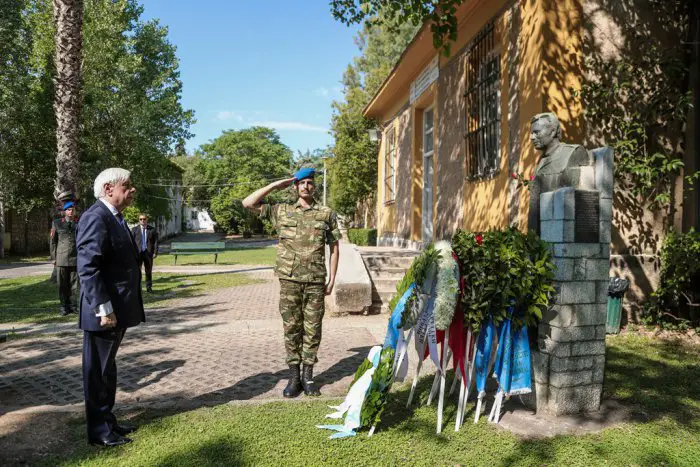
218,347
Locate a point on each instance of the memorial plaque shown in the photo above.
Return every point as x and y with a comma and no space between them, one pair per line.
587,226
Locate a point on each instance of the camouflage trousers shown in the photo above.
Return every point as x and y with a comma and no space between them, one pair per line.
302,308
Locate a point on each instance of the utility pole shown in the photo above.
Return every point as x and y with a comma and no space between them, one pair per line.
324,182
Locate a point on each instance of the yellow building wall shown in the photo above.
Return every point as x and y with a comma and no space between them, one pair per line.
550,52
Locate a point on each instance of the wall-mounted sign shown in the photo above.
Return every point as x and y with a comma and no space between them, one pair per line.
425,79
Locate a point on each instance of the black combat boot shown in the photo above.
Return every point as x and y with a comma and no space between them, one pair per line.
65,310
310,388
294,386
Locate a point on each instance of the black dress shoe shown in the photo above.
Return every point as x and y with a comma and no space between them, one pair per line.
64,311
123,429
110,440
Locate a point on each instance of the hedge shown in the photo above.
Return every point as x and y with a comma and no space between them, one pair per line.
363,237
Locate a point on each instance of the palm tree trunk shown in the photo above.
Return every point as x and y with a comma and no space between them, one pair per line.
68,17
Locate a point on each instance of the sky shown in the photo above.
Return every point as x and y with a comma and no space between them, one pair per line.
275,63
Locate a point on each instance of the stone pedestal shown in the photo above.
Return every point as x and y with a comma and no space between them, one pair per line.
568,366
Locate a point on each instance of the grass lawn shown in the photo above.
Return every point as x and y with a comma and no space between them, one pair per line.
34,299
8,259
264,255
659,379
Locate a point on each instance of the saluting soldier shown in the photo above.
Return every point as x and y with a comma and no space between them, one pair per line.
304,229
65,256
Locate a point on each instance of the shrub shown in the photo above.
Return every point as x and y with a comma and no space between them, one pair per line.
671,304
363,237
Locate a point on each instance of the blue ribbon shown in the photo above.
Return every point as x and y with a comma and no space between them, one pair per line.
392,332
483,354
521,370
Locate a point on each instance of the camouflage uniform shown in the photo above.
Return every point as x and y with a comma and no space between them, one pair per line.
301,268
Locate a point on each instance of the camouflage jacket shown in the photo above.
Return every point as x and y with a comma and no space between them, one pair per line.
303,234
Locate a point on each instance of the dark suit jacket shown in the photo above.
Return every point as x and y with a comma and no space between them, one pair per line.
151,238
108,269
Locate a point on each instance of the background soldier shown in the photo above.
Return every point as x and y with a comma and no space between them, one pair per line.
304,229
146,237
65,256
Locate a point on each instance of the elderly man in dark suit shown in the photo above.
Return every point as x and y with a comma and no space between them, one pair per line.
146,237
110,300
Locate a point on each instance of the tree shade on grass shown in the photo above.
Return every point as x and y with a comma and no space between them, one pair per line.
34,299
659,378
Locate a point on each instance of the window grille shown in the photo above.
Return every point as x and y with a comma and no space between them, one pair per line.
390,166
483,109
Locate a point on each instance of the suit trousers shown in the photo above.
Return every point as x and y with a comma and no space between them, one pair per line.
67,284
100,380
146,259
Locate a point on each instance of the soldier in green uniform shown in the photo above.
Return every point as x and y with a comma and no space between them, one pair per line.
304,229
65,256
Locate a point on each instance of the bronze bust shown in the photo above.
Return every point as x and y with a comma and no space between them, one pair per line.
560,165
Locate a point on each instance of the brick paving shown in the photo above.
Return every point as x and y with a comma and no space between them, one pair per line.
213,348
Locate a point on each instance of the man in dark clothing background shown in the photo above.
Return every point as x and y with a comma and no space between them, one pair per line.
146,237
65,257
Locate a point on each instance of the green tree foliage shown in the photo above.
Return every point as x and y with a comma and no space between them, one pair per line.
393,14
353,170
226,170
27,125
132,116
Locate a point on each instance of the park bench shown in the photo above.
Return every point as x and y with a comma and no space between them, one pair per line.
197,248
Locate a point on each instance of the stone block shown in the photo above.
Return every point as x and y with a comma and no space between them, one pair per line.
559,365
604,181
541,395
579,269
575,315
597,269
604,250
569,231
540,367
570,379
573,400
576,292
564,204
564,269
577,250
580,349
554,348
598,374
600,329
572,333
601,291
547,206
552,231
605,232
606,208
587,178
591,269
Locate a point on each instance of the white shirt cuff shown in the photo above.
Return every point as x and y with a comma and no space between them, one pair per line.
104,310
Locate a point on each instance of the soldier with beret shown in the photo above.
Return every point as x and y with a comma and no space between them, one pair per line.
65,255
304,229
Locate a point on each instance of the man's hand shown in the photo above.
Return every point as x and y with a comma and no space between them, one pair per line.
282,184
108,321
329,287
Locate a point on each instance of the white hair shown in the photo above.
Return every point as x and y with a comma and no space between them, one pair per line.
112,176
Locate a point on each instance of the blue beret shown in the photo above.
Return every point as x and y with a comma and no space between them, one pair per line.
68,204
306,172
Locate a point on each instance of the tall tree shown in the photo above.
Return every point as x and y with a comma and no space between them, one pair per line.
353,169
232,166
68,18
